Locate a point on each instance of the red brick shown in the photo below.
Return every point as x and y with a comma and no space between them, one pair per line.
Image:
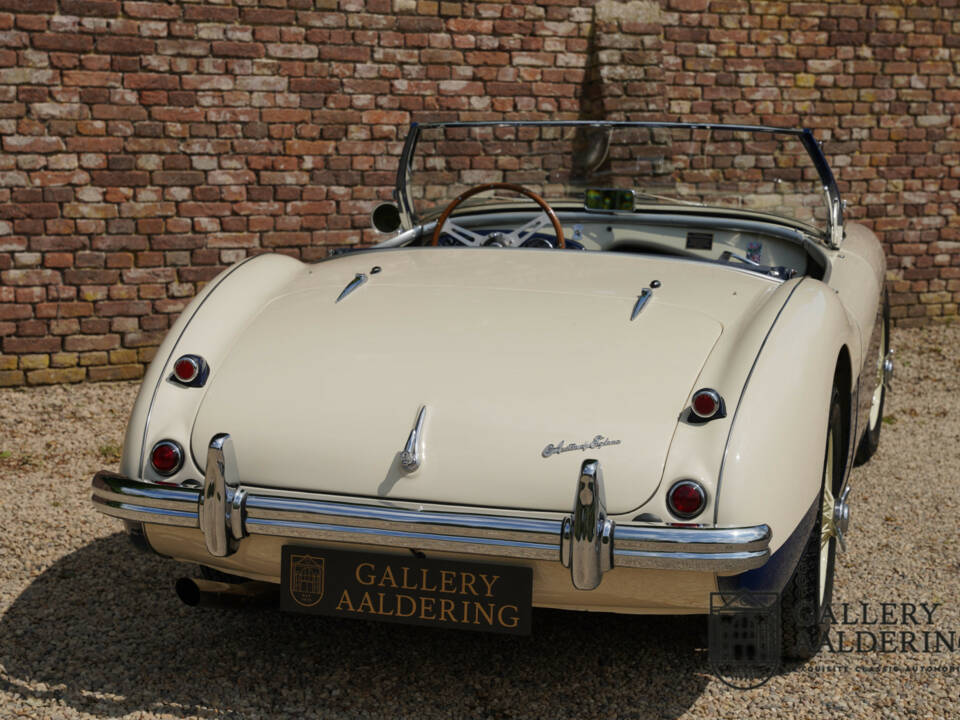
265,16
26,345
53,376
120,178
238,49
30,277
29,6
115,372
96,8
111,44
178,178
211,13
32,144
63,42
10,378
151,81
81,343
9,311
124,307
152,10
64,309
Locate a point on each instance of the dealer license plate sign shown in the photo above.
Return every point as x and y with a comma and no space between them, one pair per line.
406,589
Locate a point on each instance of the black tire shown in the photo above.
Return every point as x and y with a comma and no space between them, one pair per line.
804,617
870,440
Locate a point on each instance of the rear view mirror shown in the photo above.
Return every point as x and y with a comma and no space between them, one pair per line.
385,217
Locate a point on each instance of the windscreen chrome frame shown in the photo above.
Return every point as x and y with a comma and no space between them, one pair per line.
832,236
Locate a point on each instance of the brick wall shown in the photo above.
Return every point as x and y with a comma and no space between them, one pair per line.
146,145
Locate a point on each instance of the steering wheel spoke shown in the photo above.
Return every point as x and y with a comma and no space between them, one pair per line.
518,237
514,238
462,234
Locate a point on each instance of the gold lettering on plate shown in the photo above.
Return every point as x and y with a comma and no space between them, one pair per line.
449,582
345,600
489,583
367,578
467,612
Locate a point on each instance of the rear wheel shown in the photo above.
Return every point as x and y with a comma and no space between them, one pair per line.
871,436
806,598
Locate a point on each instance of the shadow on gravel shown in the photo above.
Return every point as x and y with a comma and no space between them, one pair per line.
102,631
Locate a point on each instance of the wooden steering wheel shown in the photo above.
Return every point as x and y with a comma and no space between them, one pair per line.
514,238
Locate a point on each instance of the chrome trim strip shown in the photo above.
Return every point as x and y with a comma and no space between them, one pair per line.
642,299
405,539
412,454
266,508
617,123
358,280
834,235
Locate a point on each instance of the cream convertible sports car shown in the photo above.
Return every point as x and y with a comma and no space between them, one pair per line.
594,366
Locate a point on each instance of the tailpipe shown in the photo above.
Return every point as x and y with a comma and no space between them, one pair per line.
197,592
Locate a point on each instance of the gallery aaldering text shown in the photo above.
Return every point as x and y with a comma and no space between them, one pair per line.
862,628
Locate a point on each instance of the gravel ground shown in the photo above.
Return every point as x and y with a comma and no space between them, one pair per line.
89,627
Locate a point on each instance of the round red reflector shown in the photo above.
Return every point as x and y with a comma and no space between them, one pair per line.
686,499
186,369
706,403
166,457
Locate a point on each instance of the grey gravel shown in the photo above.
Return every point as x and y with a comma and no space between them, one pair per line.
89,627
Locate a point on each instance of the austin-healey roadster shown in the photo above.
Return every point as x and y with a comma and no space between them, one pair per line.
594,366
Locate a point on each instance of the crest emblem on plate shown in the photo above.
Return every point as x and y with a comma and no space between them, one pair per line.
306,579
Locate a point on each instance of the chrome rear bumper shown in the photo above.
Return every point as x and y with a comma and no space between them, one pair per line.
227,514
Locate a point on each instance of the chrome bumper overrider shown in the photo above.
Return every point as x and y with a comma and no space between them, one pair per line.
227,513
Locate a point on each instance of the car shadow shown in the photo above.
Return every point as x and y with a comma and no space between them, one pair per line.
102,631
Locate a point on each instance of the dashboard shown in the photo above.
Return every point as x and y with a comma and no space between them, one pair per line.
764,247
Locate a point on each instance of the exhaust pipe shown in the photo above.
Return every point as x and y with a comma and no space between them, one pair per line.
197,592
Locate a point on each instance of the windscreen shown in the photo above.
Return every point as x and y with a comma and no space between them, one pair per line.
618,168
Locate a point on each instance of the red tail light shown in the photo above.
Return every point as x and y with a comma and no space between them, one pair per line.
707,404
190,370
686,499
186,369
166,457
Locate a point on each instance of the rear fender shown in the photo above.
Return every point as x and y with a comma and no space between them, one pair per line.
773,462
164,409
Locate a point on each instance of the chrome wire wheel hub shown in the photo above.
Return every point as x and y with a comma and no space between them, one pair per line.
834,520
888,369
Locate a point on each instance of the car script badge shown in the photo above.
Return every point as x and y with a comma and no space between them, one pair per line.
598,441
